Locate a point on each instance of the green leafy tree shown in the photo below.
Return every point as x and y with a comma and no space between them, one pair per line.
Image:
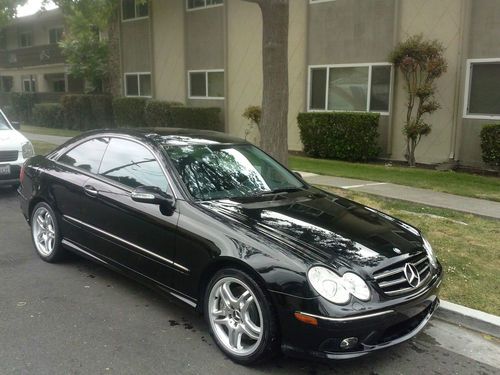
8,10
86,43
421,62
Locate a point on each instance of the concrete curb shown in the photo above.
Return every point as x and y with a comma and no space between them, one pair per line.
469,318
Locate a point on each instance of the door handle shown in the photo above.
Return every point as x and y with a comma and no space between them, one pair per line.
90,190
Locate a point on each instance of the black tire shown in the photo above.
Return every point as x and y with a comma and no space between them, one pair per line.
58,252
268,346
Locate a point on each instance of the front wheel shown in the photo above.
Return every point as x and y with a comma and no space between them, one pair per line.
242,321
45,233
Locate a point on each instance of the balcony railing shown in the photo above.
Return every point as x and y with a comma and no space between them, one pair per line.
31,56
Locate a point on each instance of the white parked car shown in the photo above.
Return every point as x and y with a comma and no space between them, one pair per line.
15,148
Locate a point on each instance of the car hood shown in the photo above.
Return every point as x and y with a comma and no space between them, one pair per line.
326,228
11,140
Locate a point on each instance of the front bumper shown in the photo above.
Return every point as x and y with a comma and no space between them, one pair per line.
13,177
374,329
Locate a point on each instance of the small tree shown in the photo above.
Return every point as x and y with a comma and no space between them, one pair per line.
8,10
253,114
420,62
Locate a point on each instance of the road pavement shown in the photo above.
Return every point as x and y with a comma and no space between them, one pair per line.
80,318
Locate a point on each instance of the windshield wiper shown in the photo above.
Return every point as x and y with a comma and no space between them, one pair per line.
275,192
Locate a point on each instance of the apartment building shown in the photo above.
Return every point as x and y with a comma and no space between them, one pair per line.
30,58
209,53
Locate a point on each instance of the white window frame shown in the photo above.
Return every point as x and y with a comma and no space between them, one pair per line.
135,12
203,7
319,1
25,32
56,28
368,101
468,79
138,74
206,71
32,84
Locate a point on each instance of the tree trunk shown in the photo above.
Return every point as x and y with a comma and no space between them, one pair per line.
112,84
274,126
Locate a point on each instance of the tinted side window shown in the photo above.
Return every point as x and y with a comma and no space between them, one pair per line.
86,156
133,165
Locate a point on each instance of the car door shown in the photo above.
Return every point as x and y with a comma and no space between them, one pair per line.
65,179
135,235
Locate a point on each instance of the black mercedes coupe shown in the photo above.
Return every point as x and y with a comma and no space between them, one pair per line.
272,262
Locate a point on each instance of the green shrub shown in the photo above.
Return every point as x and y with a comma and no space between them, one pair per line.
490,144
340,135
8,110
22,104
157,113
129,112
48,115
86,111
196,118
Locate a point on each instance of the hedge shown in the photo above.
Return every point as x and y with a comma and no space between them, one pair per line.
129,112
196,118
157,113
48,115
86,111
490,144
22,104
340,135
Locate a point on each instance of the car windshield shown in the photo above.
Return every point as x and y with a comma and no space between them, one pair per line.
3,123
215,171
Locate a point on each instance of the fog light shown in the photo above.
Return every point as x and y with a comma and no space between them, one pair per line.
348,343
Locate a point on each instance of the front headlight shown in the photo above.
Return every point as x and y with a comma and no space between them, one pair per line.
430,252
335,288
28,150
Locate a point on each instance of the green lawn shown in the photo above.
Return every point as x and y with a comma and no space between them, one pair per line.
42,148
49,131
466,245
465,184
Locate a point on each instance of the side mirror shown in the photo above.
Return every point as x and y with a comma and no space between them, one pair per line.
154,195
16,125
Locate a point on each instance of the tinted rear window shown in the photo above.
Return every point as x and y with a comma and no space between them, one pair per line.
86,156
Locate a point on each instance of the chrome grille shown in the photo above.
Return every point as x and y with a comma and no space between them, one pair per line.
392,279
8,156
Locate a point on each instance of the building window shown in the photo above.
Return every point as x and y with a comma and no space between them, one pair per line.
25,39
6,83
350,87
29,84
59,85
201,4
206,84
55,35
138,84
482,94
134,9
319,1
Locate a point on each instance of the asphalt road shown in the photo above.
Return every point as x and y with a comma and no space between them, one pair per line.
80,318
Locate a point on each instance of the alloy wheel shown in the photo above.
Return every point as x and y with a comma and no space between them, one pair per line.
44,233
235,316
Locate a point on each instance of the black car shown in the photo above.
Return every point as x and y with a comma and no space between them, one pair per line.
272,262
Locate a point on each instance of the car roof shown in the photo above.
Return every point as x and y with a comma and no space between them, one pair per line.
173,136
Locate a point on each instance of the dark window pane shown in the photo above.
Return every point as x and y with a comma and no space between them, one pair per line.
86,156
128,9
381,87
318,88
55,35
141,9
216,84
145,84
196,4
132,165
484,97
59,86
348,88
132,85
198,84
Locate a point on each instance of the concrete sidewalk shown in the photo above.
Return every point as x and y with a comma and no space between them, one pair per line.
53,139
475,206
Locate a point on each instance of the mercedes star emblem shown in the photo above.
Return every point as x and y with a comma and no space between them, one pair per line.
412,275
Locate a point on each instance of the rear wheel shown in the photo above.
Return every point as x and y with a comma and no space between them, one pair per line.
45,233
242,321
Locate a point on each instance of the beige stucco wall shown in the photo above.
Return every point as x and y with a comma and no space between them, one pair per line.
168,43
136,46
440,20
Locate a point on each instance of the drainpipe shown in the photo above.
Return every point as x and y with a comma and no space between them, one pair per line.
226,66
395,40
458,100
